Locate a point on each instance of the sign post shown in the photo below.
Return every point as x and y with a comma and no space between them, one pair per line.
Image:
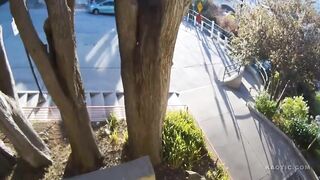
200,7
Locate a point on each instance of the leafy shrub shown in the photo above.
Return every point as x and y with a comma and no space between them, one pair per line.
113,122
114,137
265,105
293,119
302,132
282,123
183,142
294,108
317,103
228,23
218,173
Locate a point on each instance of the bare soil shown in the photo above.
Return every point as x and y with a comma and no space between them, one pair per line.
112,146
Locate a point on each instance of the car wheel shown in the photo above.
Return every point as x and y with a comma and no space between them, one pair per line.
95,11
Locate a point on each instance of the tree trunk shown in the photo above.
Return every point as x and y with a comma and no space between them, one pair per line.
60,72
31,153
6,78
7,160
147,32
22,127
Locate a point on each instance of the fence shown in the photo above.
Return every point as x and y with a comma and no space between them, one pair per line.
216,32
96,113
230,69
210,28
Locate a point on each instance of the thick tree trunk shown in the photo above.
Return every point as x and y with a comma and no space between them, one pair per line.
7,160
21,125
6,78
147,32
35,154
60,72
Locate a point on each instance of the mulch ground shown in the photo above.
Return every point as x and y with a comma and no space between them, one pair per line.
113,148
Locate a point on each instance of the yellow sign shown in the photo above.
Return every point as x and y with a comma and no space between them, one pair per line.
200,7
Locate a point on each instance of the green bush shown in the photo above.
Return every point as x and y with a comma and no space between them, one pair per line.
293,119
265,105
302,132
317,103
183,142
294,108
218,173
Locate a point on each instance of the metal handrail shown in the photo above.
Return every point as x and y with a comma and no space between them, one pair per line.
228,69
209,22
96,113
215,31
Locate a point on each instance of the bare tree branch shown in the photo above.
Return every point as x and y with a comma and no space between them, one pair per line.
35,154
36,48
6,78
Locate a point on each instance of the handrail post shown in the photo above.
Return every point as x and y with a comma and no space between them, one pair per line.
225,41
194,20
188,17
218,36
201,25
212,28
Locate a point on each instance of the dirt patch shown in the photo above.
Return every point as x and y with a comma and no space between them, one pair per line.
112,146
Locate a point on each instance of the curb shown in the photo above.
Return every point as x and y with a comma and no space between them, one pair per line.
209,145
270,123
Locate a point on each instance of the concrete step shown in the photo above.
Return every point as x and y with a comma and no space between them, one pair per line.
23,99
137,169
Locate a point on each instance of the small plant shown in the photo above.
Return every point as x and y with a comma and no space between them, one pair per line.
303,133
125,136
217,173
183,142
317,103
113,122
114,137
294,108
293,119
265,105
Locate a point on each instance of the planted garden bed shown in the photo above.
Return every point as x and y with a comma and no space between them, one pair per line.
112,136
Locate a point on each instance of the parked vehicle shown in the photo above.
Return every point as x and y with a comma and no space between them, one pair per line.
103,7
263,67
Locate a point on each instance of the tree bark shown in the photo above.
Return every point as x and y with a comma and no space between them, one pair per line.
36,155
22,126
7,160
147,31
6,78
59,69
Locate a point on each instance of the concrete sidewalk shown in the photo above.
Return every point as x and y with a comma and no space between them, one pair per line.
248,146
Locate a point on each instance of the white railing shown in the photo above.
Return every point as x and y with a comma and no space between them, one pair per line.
216,32
96,113
210,28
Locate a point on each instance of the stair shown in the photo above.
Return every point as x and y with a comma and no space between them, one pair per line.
99,104
23,99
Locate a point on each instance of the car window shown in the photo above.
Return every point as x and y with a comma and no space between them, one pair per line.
110,3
